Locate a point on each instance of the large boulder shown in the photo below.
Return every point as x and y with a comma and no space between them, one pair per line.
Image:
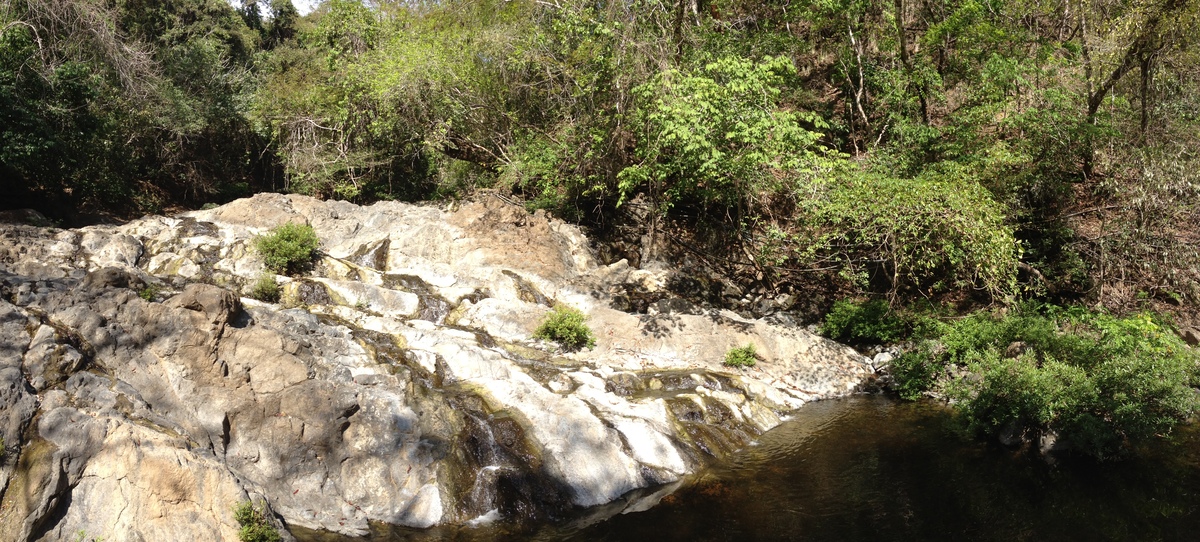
398,384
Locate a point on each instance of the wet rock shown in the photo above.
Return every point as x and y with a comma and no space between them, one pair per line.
372,255
624,384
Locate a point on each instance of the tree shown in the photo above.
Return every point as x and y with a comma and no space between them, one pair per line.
125,105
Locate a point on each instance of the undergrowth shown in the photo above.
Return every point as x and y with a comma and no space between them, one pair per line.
1100,382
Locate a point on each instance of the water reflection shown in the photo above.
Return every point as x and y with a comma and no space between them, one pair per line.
870,468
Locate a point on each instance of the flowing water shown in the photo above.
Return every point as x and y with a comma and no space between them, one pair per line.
872,468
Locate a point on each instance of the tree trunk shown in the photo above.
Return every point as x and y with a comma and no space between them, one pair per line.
907,61
1146,67
1145,45
679,9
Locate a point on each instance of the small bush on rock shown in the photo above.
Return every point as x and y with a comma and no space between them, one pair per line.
288,249
253,522
741,357
266,288
149,292
566,326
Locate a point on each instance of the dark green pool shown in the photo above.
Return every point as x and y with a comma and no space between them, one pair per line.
872,468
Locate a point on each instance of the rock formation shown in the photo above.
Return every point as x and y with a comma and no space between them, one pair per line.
396,383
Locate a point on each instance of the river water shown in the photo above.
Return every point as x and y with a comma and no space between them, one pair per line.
873,468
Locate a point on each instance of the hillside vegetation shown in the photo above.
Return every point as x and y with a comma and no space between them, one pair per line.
983,150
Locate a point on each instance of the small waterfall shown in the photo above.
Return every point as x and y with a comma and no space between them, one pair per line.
432,307
483,496
490,517
480,502
373,255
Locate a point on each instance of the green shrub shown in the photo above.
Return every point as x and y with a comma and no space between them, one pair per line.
932,233
725,126
916,372
149,292
744,356
1102,383
253,522
288,249
566,326
266,288
868,322
82,536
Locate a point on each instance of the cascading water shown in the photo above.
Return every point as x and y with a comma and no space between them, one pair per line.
481,500
483,496
432,307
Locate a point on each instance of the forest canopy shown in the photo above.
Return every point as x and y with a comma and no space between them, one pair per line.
997,148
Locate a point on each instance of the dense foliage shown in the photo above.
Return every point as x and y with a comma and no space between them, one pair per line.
1004,147
868,322
1097,381
125,106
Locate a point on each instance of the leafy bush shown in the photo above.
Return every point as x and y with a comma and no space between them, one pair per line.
1100,382
149,292
915,373
867,322
253,522
744,356
289,248
933,232
266,288
718,135
566,326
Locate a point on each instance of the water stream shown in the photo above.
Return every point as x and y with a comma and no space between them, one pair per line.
872,468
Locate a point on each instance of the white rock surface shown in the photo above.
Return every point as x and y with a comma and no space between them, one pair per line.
399,386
